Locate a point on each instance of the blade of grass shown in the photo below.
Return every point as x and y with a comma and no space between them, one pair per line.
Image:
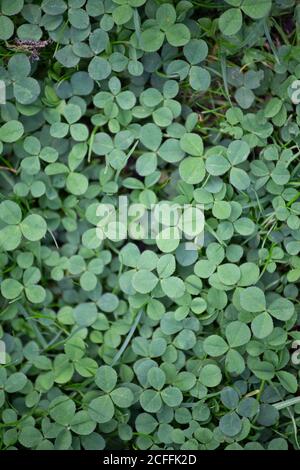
127,339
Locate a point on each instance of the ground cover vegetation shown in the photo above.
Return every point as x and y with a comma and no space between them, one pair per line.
143,344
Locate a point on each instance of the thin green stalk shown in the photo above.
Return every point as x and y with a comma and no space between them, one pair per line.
127,339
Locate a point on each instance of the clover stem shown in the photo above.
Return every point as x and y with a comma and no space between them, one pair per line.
34,326
127,339
91,142
261,389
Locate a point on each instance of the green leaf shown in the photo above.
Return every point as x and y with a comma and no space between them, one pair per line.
255,9
151,136
248,407
244,226
122,14
215,346
230,22
10,237
78,18
238,152
62,410
66,57
217,165
281,309
102,144
239,179
77,183
195,51
288,381
264,370
15,382
27,90
262,325
192,144
249,274
126,100
144,281
156,378
98,40
11,131
55,7
33,227
230,424
199,78
222,210
186,339
150,401
101,409
163,116
11,289
19,66
230,398
30,437
229,274
253,299
192,170
6,28
210,375
85,314
173,287
82,424
79,132
234,362
198,305
151,39
204,268
35,294
237,334
122,397
86,367
178,35
172,396
10,212
106,378
63,369
234,3
165,16
166,266
74,348
99,68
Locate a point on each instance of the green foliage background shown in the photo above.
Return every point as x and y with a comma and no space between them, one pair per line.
138,344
